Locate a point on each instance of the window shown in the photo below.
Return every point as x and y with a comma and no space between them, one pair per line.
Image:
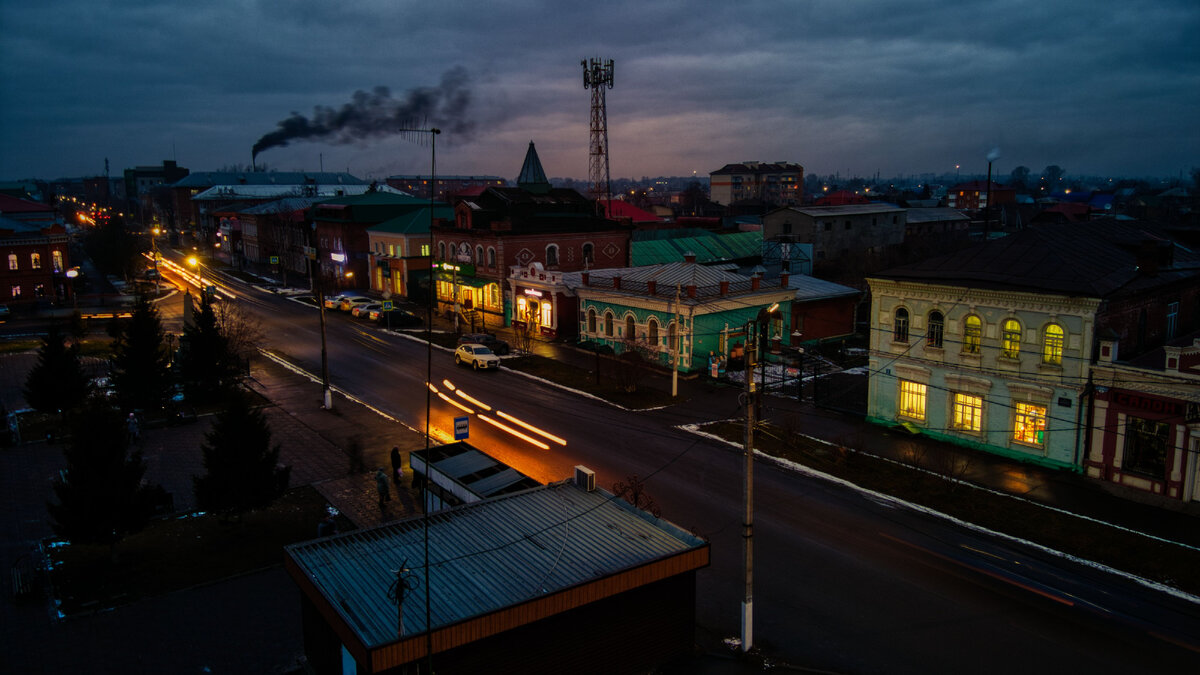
1010,342
1146,447
912,399
968,412
972,334
57,260
608,324
425,250
1029,424
672,341
16,291
652,332
441,250
12,261
900,326
479,255
630,328
552,255
491,256
1052,345
1172,318
591,321
937,325
589,253
35,261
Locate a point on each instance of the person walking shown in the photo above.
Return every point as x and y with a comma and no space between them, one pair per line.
397,465
381,483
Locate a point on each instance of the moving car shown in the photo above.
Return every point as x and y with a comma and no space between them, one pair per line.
333,301
480,357
363,311
498,346
396,318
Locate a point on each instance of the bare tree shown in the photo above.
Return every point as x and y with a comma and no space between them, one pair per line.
633,363
633,490
241,329
523,338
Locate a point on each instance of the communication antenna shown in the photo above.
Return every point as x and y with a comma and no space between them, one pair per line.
598,76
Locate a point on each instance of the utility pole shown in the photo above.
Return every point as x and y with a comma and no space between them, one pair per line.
748,490
677,347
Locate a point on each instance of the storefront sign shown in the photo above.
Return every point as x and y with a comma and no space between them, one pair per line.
534,292
1148,403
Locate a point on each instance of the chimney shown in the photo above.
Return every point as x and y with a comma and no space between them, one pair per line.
783,279
616,283
724,287
652,286
754,282
689,257
584,277
691,290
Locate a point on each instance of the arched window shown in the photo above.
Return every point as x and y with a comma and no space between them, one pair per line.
672,342
900,327
1052,345
937,325
591,321
491,256
630,328
589,253
608,324
1010,340
552,255
652,332
478,255
441,250
972,334
36,261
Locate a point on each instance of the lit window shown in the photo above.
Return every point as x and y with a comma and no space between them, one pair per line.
16,291
1052,345
1010,344
57,261
912,399
1029,424
972,334
35,261
900,327
1146,447
12,261
937,324
968,412
424,250
547,314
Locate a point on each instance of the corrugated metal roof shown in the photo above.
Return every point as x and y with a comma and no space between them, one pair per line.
415,222
708,248
484,557
812,288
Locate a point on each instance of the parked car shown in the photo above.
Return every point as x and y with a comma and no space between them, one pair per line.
498,346
5,312
396,318
363,311
350,302
334,301
480,357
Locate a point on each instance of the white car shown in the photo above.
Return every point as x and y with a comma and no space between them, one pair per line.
333,301
350,302
363,311
480,357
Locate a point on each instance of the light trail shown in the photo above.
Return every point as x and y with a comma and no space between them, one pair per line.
456,404
504,427
476,401
546,434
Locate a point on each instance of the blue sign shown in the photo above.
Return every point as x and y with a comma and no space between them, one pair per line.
387,305
461,431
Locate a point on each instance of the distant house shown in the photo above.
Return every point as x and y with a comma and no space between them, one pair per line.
278,233
341,225
838,232
189,214
973,195
771,183
36,253
550,579
419,185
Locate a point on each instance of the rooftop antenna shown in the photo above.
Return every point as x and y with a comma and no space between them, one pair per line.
598,76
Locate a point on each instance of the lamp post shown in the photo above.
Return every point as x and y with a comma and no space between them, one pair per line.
754,331
796,335
154,248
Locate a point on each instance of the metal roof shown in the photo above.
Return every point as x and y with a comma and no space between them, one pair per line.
479,473
707,248
484,557
415,222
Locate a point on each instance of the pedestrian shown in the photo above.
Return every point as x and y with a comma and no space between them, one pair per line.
132,425
397,465
327,527
381,482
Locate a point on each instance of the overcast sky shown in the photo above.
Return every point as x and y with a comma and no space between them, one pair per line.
1095,86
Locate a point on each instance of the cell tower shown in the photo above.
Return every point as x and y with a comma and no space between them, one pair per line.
598,76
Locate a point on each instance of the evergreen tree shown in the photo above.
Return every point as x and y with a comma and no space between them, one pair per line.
242,472
100,494
140,359
57,382
207,367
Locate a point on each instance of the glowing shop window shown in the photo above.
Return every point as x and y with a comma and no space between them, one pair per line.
968,412
912,399
1029,424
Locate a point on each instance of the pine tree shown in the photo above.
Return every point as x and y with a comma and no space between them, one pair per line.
207,367
100,494
139,363
57,382
242,472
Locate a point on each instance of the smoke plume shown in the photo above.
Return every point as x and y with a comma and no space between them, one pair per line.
993,154
376,114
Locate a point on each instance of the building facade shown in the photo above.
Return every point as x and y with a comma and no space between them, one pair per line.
778,183
401,250
838,232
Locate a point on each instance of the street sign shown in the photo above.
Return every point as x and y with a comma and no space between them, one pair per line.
387,305
461,431
274,260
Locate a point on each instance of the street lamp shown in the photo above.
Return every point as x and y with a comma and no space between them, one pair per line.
754,332
154,248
